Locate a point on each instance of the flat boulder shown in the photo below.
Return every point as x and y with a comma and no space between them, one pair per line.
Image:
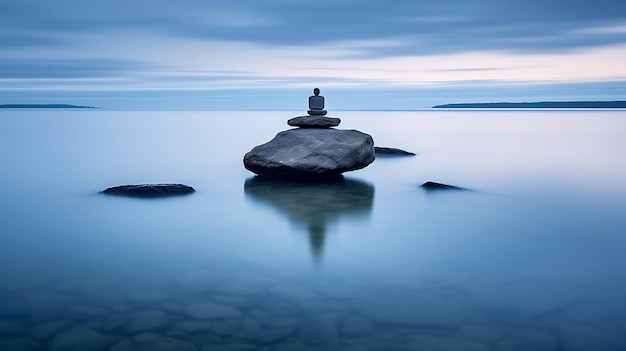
311,153
314,122
150,190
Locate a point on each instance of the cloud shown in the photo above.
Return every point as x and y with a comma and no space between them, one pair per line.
436,27
209,45
67,68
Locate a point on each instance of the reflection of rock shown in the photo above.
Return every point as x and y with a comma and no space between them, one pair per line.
313,205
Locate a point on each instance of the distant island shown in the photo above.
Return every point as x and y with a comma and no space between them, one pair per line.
43,106
544,104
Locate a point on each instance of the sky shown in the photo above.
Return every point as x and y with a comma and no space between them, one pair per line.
270,54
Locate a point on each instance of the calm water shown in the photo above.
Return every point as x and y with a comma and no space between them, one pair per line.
532,258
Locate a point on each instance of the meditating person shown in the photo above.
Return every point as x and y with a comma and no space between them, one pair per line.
316,104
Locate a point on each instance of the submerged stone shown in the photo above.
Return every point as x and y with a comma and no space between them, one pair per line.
210,310
144,321
81,338
150,190
152,342
355,325
318,329
7,327
311,153
48,329
415,310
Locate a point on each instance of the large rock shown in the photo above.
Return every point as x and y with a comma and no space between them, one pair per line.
311,153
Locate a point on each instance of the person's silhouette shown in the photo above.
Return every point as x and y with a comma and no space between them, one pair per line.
316,104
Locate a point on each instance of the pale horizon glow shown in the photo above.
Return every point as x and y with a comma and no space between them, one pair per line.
176,49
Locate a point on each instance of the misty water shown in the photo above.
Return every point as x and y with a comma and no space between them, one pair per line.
531,257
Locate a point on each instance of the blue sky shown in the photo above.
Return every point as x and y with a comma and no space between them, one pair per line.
250,54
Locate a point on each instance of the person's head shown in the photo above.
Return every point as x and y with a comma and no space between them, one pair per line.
316,91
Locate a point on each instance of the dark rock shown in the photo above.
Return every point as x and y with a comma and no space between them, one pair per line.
316,112
210,310
355,326
440,186
147,320
586,338
150,341
311,153
314,122
390,151
81,338
317,330
422,310
150,190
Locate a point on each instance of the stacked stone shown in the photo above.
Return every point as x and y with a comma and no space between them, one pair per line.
313,121
314,150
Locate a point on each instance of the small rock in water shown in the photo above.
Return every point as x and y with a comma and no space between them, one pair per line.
210,310
7,327
81,338
150,190
314,329
81,311
47,330
440,186
356,326
390,151
427,342
412,309
266,336
152,342
144,321
19,344
148,297
584,338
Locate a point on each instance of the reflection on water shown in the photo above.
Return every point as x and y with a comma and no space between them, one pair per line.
313,205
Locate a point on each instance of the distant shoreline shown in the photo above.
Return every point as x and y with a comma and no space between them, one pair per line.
43,106
544,104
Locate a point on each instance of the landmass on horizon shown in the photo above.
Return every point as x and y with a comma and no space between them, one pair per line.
43,106
543,104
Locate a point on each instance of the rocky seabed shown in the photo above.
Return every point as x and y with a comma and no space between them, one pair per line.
197,309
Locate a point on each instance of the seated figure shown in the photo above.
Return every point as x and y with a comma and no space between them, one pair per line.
316,104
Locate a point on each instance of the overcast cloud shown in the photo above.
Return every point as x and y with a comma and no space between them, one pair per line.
343,46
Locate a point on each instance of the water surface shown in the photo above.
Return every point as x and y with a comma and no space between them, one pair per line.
530,258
